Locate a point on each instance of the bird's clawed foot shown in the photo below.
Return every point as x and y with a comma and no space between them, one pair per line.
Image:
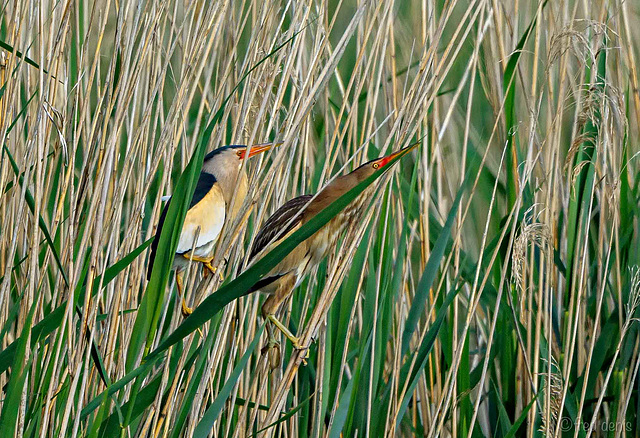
209,267
212,270
295,341
306,353
273,350
206,262
186,310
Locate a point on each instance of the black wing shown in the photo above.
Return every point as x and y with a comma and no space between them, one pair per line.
156,239
203,186
272,228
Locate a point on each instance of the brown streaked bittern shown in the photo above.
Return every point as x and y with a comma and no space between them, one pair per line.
289,273
220,191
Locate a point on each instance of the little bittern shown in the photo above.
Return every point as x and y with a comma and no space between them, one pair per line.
289,273
220,191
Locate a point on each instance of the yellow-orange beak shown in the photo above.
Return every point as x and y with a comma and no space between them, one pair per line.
396,155
259,148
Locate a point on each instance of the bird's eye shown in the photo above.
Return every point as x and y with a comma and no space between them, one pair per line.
239,153
376,165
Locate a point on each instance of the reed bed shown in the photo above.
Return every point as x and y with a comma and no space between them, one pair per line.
491,289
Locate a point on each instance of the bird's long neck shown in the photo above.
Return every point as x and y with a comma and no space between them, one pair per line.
235,202
335,190
234,189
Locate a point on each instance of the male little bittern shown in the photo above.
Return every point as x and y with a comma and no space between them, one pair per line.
220,191
289,273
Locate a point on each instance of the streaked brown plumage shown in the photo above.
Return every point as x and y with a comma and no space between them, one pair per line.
289,273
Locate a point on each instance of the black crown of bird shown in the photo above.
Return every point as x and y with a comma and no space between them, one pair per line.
221,190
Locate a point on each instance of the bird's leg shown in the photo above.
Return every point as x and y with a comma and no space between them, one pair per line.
295,341
186,310
271,306
206,261
272,349
285,331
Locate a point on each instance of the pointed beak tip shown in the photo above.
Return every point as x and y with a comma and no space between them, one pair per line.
412,146
404,151
260,148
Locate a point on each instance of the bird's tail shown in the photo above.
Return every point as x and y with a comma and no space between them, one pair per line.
263,282
152,256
